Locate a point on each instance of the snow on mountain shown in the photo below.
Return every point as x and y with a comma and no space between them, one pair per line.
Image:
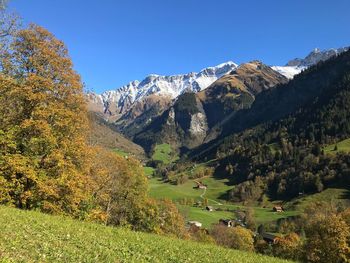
288,71
118,101
295,66
123,98
316,56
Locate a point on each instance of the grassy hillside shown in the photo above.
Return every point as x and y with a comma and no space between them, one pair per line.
105,135
205,217
342,146
335,195
35,237
216,188
148,170
163,152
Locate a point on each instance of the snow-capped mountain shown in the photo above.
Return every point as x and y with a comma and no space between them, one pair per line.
316,56
117,102
295,66
121,99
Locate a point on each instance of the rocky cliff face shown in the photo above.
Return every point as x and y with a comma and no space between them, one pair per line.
183,125
142,114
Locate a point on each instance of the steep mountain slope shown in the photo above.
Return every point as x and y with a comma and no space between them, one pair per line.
103,134
142,113
188,122
237,90
137,105
274,104
275,147
183,124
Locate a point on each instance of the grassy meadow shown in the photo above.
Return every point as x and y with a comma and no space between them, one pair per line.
216,189
164,153
28,236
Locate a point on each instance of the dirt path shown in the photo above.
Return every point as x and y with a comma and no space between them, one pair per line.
203,194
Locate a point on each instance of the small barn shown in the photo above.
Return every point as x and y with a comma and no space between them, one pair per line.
209,208
227,222
200,185
195,223
269,238
278,209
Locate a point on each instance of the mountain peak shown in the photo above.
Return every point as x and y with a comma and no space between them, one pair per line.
315,56
121,99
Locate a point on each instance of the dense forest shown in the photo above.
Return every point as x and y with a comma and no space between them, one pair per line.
284,158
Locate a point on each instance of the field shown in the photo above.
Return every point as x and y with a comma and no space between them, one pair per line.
205,217
216,189
164,153
343,146
34,237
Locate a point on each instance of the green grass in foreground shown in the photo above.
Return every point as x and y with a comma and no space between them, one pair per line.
343,146
164,153
34,237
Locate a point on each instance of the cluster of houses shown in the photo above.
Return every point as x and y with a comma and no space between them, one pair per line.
267,237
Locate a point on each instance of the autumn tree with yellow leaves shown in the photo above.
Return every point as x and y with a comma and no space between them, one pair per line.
327,234
42,125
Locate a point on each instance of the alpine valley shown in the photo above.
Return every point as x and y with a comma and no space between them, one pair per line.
243,162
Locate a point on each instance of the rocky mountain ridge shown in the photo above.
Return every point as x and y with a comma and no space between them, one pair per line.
117,102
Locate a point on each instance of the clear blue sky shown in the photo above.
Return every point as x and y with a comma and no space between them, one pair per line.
113,42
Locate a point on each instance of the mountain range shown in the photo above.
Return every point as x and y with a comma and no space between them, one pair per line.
160,109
